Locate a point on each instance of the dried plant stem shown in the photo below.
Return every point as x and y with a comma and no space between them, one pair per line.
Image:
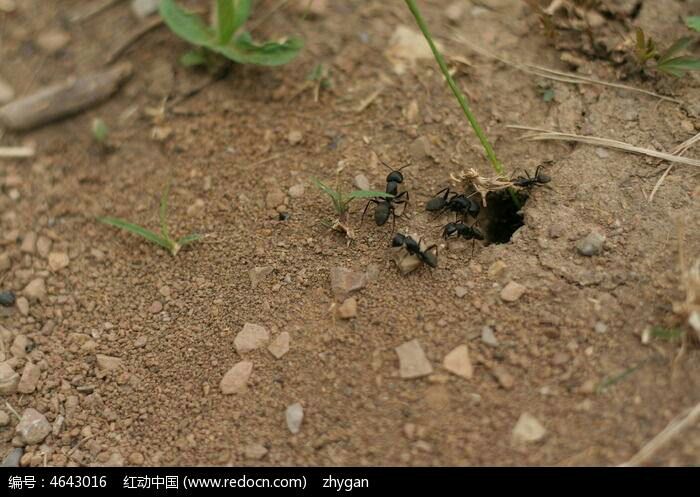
541,134
561,76
673,429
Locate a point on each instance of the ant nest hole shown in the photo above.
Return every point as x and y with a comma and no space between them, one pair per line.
502,217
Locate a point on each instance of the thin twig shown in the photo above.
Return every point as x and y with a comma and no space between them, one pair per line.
133,38
16,152
679,150
564,77
258,22
674,428
541,134
12,410
93,10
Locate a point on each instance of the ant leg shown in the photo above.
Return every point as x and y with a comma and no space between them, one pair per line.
362,219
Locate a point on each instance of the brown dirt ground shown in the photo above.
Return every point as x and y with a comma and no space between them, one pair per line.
164,406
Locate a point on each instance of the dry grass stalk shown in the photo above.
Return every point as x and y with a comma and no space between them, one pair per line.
541,134
679,150
673,429
482,185
561,76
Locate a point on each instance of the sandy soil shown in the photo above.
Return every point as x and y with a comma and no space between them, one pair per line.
569,351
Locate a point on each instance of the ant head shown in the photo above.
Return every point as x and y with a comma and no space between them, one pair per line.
395,175
398,240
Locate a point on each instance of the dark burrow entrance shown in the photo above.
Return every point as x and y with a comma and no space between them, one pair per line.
502,217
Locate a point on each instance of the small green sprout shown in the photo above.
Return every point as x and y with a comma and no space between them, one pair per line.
341,201
163,239
225,38
100,131
693,23
667,334
341,204
669,61
320,77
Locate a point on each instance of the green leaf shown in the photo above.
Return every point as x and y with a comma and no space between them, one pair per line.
225,19
327,190
193,58
186,240
241,13
244,51
368,194
188,26
674,49
679,65
137,230
163,212
548,94
693,22
100,131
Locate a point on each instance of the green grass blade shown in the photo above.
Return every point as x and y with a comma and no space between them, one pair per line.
224,21
490,153
163,212
368,194
678,66
326,189
244,51
188,26
673,50
193,58
241,13
137,230
693,22
186,240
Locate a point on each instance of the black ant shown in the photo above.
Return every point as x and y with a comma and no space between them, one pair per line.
528,182
413,248
458,203
394,178
387,206
462,230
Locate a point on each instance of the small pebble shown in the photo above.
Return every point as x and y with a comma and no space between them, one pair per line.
251,337
591,244
294,416
35,290
348,309
512,292
345,281
460,291
58,261
295,137
361,182
488,337
528,429
412,360
254,451
258,274
53,40
144,8
236,379
108,363
458,362
33,427
296,191
156,307
504,378
280,345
